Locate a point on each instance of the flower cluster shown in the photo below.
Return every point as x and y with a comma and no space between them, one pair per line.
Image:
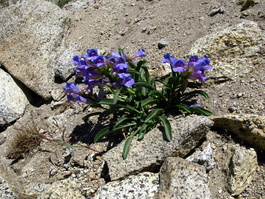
99,71
136,102
194,70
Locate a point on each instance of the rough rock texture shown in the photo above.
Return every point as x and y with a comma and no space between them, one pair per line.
5,191
243,166
153,149
235,51
13,101
204,157
143,185
130,24
249,128
62,189
10,186
64,69
180,178
30,38
234,166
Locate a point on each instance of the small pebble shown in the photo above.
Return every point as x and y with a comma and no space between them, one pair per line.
239,95
162,43
252,80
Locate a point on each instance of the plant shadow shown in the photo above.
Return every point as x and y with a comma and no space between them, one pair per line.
86,132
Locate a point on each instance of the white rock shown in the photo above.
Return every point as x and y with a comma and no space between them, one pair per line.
204,157
143,185
13,101
243,167
64,69
235,51
180,178
153,149
31,34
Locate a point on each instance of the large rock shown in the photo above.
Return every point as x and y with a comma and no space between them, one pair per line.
204,157
234,165
235,51
10,185
249,128
153,149
13,101
143,185
64,69
30,36
66,188
242,168
180,178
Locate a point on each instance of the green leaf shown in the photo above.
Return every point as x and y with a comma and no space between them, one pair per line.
184,107
107,130
116,96
131,65
158,80
149,101
153,114
126,147
146,73
200,111
144,84
157,94
107,101
133,72
167,127
127,144
198,92
122,119
129,108
140,64
142,131
144,91
121,52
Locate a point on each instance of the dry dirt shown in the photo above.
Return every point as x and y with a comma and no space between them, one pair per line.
132,24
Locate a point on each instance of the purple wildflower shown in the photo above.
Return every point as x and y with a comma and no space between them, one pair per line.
120,68
93,73
195,69
117,63
168,59
198,67
91,54
115,54
140,53
77,98
81,68
72,88
125,79
99,61
76,60
197,104
178,65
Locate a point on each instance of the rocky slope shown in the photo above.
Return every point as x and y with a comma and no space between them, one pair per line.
217,157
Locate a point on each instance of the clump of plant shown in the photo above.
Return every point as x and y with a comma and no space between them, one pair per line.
30,136
22,145
122,86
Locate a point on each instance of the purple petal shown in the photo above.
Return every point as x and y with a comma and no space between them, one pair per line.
115,54
179,65
197,104
72,88
140,53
